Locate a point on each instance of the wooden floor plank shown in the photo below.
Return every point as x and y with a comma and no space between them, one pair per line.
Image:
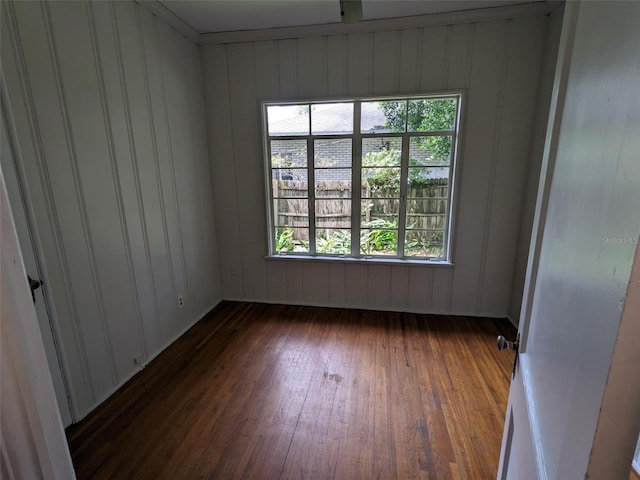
276,391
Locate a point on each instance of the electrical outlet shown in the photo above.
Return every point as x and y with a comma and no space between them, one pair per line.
138,359
180,301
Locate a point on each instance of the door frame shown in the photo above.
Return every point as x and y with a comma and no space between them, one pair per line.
616,433
33,442
556,108
35,245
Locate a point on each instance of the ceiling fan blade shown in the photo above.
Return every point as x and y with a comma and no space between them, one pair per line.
351,11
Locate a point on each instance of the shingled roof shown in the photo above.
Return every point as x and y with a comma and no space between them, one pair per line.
333,118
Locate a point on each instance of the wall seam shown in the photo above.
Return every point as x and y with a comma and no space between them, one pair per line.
460,166
417,83
136,172
233,142
114,167
154,143
73,156
494,165
174,188
447,56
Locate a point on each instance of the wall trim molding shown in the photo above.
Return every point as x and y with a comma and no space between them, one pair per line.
418,21
171,19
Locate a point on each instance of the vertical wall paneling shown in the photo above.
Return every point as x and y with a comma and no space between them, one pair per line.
462,48
191,172
440,289
478,158
245,122
206,222
409,55
132,49
31,143
435,47
514,141
315,288
355,285
124,297
312,67
152,76
337,54
498,141
359,64
85,276
221,140
267,87
385,62
266,67
460,44
276,278
160,32
106,42
378,279
108,105
336,279
419,298
288,71
398,292
476,58
294,278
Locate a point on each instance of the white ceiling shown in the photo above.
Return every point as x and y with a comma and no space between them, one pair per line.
208,16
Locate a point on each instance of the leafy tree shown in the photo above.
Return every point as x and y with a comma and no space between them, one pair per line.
424,116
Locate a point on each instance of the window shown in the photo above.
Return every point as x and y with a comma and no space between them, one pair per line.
368,178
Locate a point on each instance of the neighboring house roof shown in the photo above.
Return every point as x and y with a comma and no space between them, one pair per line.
329,119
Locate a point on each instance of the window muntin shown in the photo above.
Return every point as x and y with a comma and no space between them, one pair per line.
401,156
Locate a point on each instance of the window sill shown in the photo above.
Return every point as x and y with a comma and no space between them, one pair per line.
363,260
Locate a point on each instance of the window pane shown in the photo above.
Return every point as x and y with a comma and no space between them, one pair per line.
289,239
291,212
334,213
333,241
426,221
380,117
432,115
379,212
421,243
426,126
289,182
331,118
430,150
381,152
380,182
378,242
334,153
288,153
333,183
288,120
422,178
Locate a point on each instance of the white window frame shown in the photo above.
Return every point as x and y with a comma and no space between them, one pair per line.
356,168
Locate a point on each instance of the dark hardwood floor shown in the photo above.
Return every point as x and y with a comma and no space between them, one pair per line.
259,391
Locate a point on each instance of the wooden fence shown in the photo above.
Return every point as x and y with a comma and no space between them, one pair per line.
426,205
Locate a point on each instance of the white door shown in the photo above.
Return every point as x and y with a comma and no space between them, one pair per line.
17,198
574,404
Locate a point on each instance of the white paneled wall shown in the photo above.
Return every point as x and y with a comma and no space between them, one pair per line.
533,175
497,64
107,103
